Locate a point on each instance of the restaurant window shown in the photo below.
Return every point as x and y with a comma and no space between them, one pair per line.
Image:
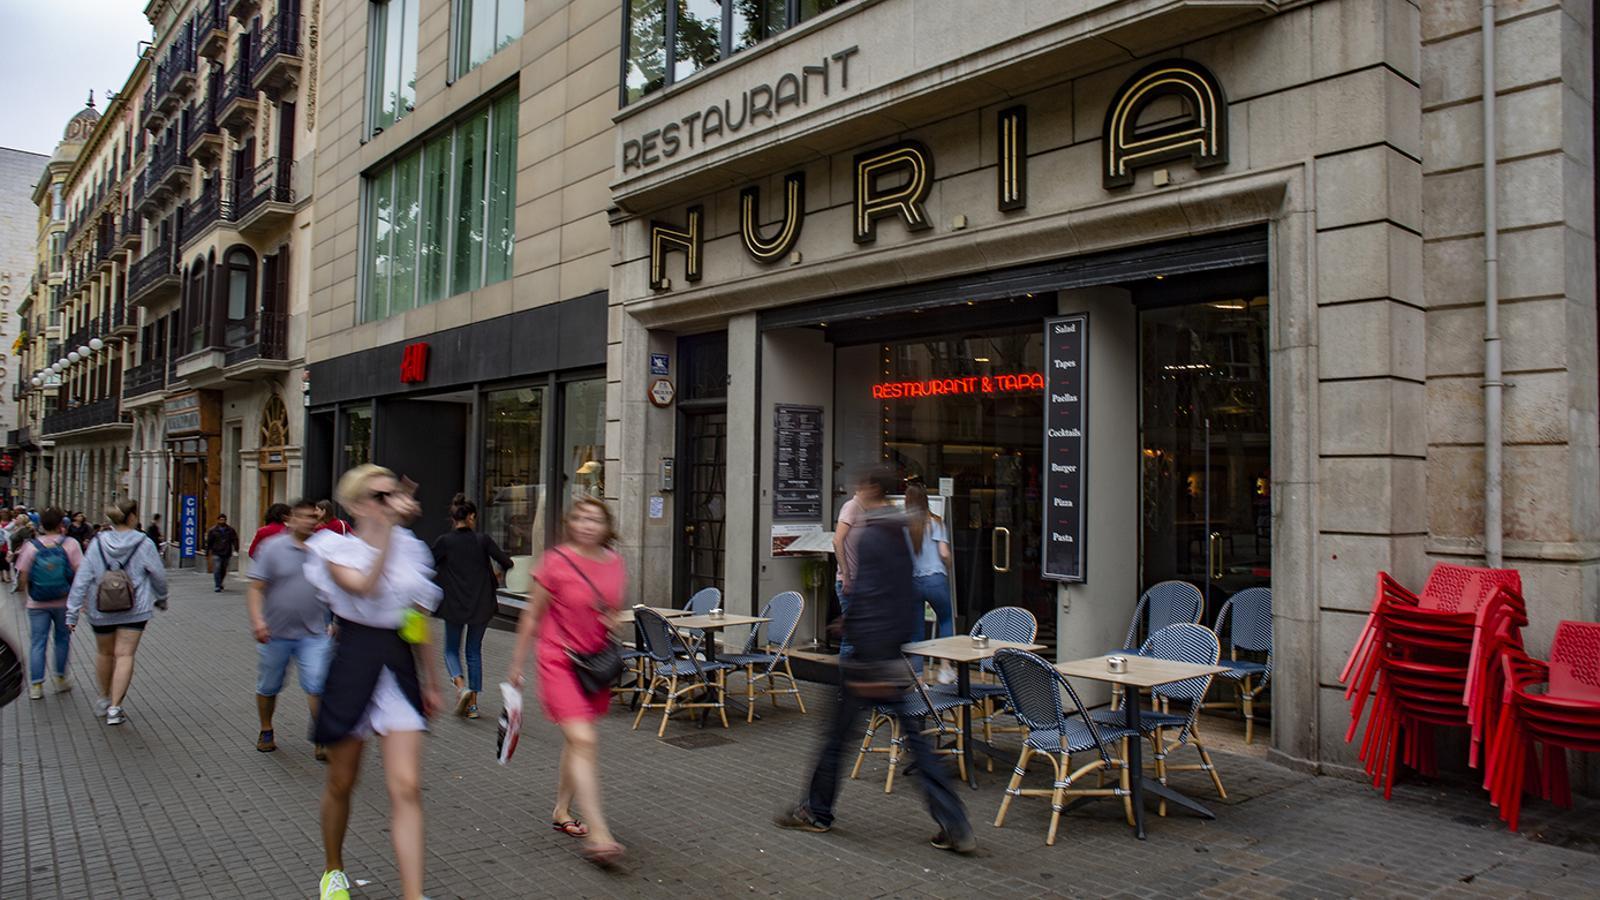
513,469
669,41
391,62
357,437
583,439
441,219
483,28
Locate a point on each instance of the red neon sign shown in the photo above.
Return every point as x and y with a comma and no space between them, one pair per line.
969,384
414,363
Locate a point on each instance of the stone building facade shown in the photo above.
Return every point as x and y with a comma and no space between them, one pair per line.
18,254
1260,231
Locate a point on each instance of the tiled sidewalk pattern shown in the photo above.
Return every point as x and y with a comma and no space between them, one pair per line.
178,804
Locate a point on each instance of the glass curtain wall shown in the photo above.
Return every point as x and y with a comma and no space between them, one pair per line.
391,62
441,219
483,28
583,439
667,42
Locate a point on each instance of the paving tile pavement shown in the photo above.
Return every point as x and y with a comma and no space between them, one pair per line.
178,804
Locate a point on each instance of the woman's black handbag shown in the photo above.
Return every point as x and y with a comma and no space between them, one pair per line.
11,672
597,671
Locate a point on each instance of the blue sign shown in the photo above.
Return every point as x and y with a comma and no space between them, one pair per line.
189,525
660,363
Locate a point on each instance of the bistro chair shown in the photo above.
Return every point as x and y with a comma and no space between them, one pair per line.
1247,620
1003,623
1034,689
700,603
763,652
677,678
1183,642
922,704
1165,603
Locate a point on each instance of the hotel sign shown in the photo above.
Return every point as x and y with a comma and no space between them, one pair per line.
1066,427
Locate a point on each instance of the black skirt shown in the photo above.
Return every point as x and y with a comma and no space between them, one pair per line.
360,654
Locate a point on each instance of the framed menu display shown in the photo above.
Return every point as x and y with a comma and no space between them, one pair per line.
797,464
1066,428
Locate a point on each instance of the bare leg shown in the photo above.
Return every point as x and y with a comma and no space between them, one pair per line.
583,766
264,708
563,810
402,769
104,661
344,764
127,644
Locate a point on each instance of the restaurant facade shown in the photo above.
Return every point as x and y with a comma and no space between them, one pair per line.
1141,291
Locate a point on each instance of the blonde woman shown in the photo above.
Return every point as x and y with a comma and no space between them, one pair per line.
383,679
122,548
577,590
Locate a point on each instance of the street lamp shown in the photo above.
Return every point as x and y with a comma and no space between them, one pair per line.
96,344
37,381
72,357
83,352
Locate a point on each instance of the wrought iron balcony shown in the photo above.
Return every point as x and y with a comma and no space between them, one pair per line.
205,212
153,277
251,351
205,134
210,30
269,202
278,62
130,229
242,10
123,322
150,116
169,171
98,414
147,377
237,112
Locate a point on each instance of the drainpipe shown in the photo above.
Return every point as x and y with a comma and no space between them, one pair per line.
1493,386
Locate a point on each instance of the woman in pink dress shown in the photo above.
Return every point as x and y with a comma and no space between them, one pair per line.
577,590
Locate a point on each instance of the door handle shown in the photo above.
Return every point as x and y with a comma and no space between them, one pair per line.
994,548
1214,556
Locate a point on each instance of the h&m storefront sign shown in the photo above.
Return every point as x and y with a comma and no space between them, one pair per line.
893,181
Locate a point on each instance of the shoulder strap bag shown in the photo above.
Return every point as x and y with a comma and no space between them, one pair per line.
597,670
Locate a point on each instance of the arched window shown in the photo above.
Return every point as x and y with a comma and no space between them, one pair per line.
194,306
239,276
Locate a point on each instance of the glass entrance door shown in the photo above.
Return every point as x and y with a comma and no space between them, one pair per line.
1206,446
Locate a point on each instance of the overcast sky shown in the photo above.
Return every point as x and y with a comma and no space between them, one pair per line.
56,51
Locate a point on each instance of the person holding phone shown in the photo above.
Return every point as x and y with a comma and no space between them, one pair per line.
383,679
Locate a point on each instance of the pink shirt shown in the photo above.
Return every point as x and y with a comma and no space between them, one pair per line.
571,618
853,515
28,552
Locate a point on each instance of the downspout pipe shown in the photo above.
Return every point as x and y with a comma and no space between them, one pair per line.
1493,383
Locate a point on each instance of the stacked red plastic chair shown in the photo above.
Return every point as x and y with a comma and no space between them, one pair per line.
1414,659
1564,715
1498,632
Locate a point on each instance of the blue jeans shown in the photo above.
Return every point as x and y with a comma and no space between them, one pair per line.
219,569
40,622
452,652
844,606
934,590
311,655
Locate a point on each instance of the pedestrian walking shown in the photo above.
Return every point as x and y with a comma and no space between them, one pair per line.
383,679
80,530
464,562
45,567
7,519
222,542
851,515
883,604
288,619
577,590
274,523
328,519
930,567
154,532
119,583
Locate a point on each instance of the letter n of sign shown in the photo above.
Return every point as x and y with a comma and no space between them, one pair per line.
873,202
666,238
1201,134
794,215
1013,170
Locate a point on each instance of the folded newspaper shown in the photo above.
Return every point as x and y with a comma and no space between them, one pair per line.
510,722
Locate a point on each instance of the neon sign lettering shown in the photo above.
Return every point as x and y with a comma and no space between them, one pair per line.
969,384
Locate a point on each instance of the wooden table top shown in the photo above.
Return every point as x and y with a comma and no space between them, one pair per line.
707,623
1142,671
959,648
626,616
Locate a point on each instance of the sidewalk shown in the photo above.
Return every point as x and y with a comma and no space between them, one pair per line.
177,803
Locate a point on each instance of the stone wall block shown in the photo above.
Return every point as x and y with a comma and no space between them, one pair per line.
1536,485
1369,339
1442,18
1348,565
1281,127
1452,204
1336,636
1372,416
1533,336
1371,495
1455,410
1260,59
1455,495
1536,191
1369,261
1368,185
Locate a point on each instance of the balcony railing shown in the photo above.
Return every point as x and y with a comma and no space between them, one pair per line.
203,119
206,210
210,29
270,340
147,377
277,61
90,415
271,181
152,267
238,106
147,109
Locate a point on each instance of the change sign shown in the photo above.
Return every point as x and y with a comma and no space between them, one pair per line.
1066,419
189,525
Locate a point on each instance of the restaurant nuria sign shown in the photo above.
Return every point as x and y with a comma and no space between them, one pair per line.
893,181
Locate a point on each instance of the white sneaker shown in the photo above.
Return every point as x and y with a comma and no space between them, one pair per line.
62,684
114,716
36,691
100,706
947,675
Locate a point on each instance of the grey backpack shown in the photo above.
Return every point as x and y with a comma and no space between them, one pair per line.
114,593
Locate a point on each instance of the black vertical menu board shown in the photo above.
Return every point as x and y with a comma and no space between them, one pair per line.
1066,418
797,463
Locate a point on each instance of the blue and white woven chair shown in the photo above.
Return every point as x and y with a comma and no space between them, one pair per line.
1166,603
1003,623
702,602
767,649
922,704
678,678
1246,620
1034,689
1183,642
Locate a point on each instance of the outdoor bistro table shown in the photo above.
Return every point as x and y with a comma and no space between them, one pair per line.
959,649
1141,673
715,623
628,617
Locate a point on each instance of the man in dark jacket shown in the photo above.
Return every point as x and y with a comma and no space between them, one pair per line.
222,542
883,604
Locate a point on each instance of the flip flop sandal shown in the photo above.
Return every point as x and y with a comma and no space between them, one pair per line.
572,827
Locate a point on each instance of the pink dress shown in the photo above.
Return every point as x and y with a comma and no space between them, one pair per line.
571,620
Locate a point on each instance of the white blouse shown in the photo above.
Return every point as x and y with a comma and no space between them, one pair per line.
407,576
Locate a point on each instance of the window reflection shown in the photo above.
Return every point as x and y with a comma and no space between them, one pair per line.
513,469
756,20
699,41
647,48
583,429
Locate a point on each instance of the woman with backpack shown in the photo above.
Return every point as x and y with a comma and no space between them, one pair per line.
119,583
45,565
464,567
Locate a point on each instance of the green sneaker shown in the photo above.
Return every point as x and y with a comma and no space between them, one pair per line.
335,886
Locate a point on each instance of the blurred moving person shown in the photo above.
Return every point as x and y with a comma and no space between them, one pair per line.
464,562
288,619
118,585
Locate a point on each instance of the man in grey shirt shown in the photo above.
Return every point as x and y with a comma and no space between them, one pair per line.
289,620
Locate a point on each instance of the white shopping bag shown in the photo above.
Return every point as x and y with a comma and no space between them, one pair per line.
510,721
